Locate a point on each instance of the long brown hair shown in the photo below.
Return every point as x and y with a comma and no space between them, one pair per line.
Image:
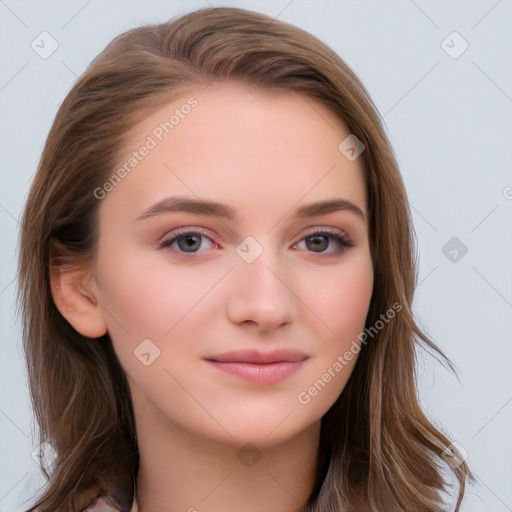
378,451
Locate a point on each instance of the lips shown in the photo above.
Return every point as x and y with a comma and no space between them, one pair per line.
259,367
254,356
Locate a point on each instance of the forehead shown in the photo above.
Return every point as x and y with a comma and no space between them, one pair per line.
231,142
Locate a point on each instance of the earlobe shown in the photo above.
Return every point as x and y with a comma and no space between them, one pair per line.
76,301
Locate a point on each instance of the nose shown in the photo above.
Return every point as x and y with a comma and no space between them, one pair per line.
263,294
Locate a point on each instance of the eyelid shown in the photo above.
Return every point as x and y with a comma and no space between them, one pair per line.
330,230
203,231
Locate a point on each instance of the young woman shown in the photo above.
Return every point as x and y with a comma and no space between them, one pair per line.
216,278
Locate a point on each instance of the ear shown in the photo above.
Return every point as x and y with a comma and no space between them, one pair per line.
74,293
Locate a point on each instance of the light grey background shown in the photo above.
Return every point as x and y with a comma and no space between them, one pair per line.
449,120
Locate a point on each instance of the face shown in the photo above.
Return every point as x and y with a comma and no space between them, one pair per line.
232,308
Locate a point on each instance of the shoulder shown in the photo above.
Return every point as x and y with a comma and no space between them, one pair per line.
103,503
106,503
112,496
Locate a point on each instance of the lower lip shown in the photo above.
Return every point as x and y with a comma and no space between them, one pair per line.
261,373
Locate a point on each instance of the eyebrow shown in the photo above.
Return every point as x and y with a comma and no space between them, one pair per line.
226,211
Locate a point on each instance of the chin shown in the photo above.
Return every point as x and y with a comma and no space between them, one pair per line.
265,429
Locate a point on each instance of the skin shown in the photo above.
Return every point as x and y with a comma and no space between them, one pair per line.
266,154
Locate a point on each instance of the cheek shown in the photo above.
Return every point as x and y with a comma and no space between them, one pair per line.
350,301
341,303
341,300
151,298
147,296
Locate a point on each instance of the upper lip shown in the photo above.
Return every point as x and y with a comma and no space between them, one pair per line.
254,356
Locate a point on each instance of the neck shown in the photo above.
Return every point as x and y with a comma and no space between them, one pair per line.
180,471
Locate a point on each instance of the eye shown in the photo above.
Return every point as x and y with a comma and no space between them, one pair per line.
318,242
189,241
186,240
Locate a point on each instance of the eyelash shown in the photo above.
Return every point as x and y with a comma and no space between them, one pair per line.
341,239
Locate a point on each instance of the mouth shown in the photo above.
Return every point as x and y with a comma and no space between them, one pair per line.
259,367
